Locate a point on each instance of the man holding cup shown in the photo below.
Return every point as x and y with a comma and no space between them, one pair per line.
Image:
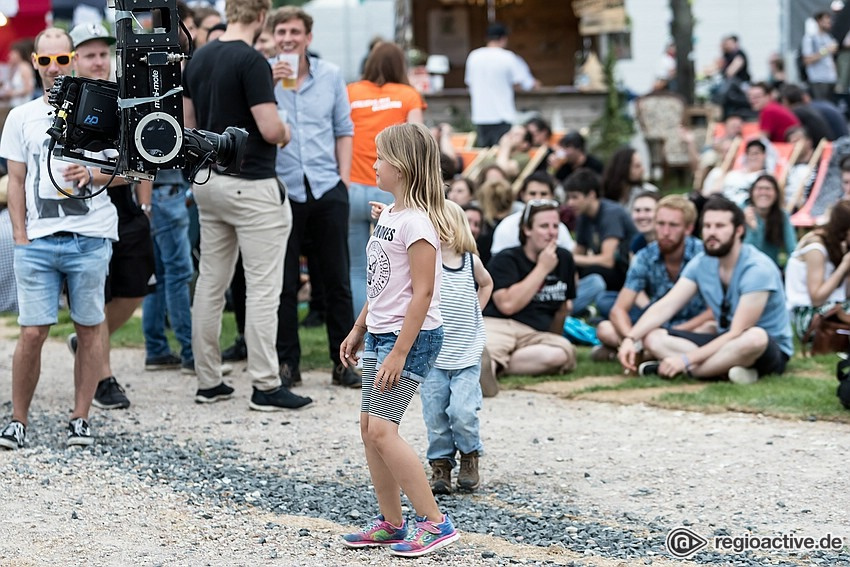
316,168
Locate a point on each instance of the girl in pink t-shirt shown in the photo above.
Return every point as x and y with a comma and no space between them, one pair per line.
400,331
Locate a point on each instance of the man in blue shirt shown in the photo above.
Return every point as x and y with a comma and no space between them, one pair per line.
742,287
652,273
315,167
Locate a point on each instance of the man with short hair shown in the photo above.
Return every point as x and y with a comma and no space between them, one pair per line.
228,83
58,240
316,168
571,155
131,267
742,287
652,273
492,73
774,119
818,50
604,234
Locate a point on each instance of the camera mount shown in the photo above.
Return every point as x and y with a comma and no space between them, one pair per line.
140,116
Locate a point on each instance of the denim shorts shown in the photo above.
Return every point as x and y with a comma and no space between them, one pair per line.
43,265
423,353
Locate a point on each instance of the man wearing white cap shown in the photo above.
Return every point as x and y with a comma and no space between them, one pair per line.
132,264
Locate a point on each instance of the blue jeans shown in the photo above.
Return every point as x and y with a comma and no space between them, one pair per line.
589,289
451,400
174,269
359,229
45,263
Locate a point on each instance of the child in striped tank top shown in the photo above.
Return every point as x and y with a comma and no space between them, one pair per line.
451,394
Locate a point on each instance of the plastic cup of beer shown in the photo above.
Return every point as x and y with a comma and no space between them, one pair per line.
290,82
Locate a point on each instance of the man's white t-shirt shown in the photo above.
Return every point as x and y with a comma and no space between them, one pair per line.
491,73
25,140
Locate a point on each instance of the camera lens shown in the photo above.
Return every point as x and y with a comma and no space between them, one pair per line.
229,148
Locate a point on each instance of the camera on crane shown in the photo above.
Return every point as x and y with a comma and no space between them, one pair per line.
140,115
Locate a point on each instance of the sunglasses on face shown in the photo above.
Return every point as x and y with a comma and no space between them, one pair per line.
61,59
538,204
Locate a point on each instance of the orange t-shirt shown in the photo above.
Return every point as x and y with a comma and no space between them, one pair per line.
373,108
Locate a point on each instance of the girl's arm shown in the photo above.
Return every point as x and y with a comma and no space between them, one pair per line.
354,341
820,288
483,279
422,257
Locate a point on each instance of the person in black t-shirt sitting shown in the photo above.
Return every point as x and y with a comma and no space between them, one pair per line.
570,155
603,236
534,285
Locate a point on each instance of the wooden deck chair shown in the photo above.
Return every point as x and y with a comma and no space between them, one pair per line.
537,155
474,167
786,156
813,207
727,164
468,156
797,192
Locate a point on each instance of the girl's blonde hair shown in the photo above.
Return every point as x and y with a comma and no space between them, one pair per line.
461,240
496,199
414,152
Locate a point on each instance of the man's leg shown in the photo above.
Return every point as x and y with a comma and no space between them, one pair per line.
329,229
91,340
288,345
540,352
262,231
26,369
744,350
219,249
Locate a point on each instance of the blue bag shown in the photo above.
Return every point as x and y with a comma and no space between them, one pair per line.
579,332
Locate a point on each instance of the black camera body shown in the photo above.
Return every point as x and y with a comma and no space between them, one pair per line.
140,116
148,67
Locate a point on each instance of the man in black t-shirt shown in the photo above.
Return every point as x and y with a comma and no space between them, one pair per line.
603,235
570,156
534,285
228,83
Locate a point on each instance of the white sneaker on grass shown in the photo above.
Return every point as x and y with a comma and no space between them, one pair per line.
743,375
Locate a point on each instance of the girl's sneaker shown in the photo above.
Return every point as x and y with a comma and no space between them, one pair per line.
377,532
426,537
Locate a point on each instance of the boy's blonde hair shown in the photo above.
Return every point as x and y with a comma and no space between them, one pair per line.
414,152
246,11
461,240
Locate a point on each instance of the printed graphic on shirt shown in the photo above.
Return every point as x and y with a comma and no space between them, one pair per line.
49,202
377,104
552,292
378,265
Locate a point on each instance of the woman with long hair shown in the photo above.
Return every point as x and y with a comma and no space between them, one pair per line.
768,225
816,275
21,85
382,98
623,177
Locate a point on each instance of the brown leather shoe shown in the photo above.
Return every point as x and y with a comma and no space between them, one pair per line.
441,476
467,478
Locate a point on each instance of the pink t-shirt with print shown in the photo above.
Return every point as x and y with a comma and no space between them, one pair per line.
388,285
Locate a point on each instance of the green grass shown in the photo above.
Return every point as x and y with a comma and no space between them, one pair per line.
805,391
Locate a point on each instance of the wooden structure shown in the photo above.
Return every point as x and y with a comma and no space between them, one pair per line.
544,33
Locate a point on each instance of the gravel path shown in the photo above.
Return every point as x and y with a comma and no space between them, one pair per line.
170,482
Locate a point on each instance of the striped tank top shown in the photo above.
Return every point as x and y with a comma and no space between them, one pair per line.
463,325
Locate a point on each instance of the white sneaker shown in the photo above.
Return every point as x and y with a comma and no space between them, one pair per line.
743,375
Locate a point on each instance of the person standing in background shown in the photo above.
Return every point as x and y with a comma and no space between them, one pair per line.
382,98
492,73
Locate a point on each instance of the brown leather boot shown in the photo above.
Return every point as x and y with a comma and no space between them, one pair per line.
467,478
441,476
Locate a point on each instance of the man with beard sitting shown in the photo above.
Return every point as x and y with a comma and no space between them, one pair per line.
742,287
652,273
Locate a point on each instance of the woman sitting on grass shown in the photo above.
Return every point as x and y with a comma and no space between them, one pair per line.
768,225
816,273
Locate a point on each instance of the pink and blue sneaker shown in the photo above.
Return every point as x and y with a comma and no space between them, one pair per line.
426,537
377,532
